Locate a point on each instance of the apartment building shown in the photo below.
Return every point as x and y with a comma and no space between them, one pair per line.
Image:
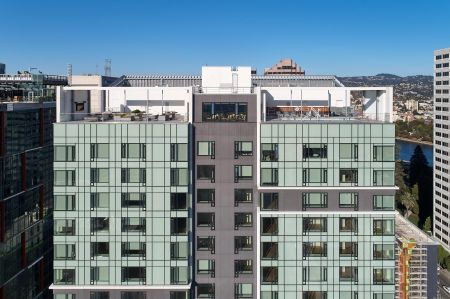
27,111
441,168
249,187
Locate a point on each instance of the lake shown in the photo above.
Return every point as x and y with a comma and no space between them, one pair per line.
406,149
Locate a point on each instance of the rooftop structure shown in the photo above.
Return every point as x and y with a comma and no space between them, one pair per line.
285,66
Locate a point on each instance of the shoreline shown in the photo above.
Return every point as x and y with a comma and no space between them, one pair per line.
415,141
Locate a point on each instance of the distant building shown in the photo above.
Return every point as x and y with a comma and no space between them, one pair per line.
412,105
441,168
285,67
416,261
2,68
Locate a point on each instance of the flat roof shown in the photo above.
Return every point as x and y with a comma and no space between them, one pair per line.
404,229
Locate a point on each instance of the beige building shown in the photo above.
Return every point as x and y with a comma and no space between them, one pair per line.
285,66
412,105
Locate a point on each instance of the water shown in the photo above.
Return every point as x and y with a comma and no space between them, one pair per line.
405,149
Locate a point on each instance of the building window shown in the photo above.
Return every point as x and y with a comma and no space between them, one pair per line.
348,151
269,275
64,177
64,202
383,202
179,275
133,249
133,175
315,249
179,177
383,227
314,295
243,172
243,148
64,227
99,151
383,251
224,112
99,274
206,172
348,249
206,196
178,226
269,177
243,243
179,250
205,290
348,273
314,151
206,244
383,178
269,226
348,200
206,148
269,295
269,250
99,200
178,152
178,201
206,267
133,274
64,296
348,176
133,224
269,201
383,153
133,295
314,224
348,224
383,276
133,200
243,220
269,152
243,290
315,200
64,153
314,274
99,295
243,267
206,220
243,196
99,249
99,175
64,251
133,151
315,175
99,224
383,296
64,276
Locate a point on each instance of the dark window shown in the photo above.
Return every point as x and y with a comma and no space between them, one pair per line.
99,249
133,274
206,172
348,273
348,249
178,226
224,112
243,196
383,251
205,290
348,176
383,276
99,224
244,243
133,249
206,196
178,201
269,201
314,224
99,295
314,150
383,227
269,226
243,148
269,152
314,295
315,249
133,224
206,244
133,295
206,220
243,267
243,220
269,275
348,224
133,200
269,250
64,276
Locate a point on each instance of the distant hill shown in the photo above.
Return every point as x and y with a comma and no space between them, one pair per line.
418,87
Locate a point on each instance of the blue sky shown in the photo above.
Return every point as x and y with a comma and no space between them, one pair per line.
345,37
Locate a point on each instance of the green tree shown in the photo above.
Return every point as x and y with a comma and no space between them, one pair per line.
427,224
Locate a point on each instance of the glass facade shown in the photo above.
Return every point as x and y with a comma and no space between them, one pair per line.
123,203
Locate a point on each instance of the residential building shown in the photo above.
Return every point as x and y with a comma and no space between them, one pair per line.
416,261
267,186
441,148
26,185
2,68
285,67
412,105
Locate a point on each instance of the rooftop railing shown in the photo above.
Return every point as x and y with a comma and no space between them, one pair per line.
223,90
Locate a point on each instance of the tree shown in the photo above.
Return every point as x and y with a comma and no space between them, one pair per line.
417,165
427,224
